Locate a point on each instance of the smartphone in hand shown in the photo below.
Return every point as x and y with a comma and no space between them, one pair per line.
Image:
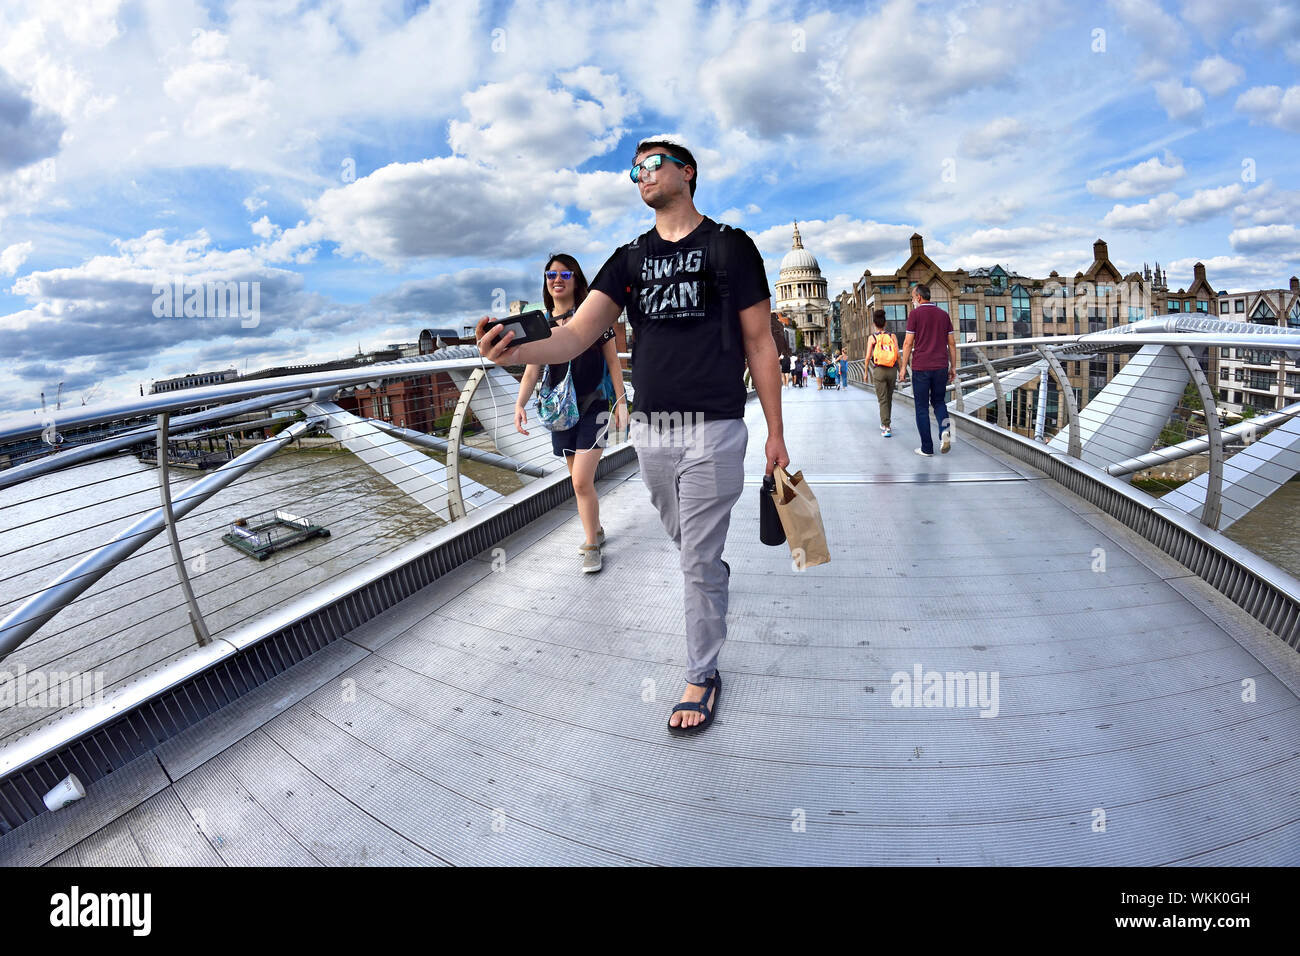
528,326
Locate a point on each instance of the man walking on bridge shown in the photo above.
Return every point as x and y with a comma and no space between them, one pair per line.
931,345
697,296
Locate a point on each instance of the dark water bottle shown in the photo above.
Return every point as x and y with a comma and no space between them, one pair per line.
770,530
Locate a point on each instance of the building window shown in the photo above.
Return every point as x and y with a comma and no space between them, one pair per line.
1019,305
1256,356
1262,311
1174,306
1293,316
1239,305
1135,313
885,289
1202,306
967,317
1002,313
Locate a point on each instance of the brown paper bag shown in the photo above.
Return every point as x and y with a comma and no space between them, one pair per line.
801,517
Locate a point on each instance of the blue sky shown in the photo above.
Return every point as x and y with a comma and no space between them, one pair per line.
381,167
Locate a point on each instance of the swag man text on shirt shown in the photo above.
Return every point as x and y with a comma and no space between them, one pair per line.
666,292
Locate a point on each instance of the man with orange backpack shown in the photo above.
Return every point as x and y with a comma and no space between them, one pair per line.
882,367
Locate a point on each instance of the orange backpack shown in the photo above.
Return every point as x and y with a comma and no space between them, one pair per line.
885,354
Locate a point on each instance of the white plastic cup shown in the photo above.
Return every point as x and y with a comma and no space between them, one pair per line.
68,790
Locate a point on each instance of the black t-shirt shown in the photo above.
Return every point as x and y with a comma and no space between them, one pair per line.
679,363
588,368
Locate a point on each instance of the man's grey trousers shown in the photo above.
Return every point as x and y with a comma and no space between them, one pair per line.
695,474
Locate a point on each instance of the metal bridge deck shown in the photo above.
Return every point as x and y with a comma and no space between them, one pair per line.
517,716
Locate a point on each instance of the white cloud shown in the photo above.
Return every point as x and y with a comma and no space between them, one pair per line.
1267,204
1180,102
1002,242
993,138
1275,238
1168,208
221,95
944,55
1270,104
1218,75
1160,36
14,256
765,82
999,210
841,239
1210,17
264,228
521,121
1146,177
1235,273
1206,203
1153,214
450,207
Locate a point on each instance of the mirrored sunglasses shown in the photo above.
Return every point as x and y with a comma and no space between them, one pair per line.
652,163
552,274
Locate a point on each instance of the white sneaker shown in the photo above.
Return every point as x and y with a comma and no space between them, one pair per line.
924,454
945,440
590,559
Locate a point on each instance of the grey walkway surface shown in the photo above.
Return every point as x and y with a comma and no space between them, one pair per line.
517,716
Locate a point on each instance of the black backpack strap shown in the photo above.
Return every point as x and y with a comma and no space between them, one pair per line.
635,261
718,262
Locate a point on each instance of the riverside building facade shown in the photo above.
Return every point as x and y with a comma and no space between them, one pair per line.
1249,380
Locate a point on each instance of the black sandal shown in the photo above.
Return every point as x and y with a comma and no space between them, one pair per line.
713,689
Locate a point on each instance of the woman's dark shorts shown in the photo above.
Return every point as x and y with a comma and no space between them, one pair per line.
582,436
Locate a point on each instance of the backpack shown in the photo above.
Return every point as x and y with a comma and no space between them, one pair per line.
885,353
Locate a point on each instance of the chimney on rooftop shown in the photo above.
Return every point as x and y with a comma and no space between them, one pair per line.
1295,284
1198,272
918,246
1099,251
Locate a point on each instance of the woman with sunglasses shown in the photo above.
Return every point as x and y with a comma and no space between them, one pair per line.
563,289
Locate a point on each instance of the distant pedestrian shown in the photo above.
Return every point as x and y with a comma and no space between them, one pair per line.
844,368
882,369
785,370
819,363
931,347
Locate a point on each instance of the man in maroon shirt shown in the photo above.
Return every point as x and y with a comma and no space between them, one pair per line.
931,345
